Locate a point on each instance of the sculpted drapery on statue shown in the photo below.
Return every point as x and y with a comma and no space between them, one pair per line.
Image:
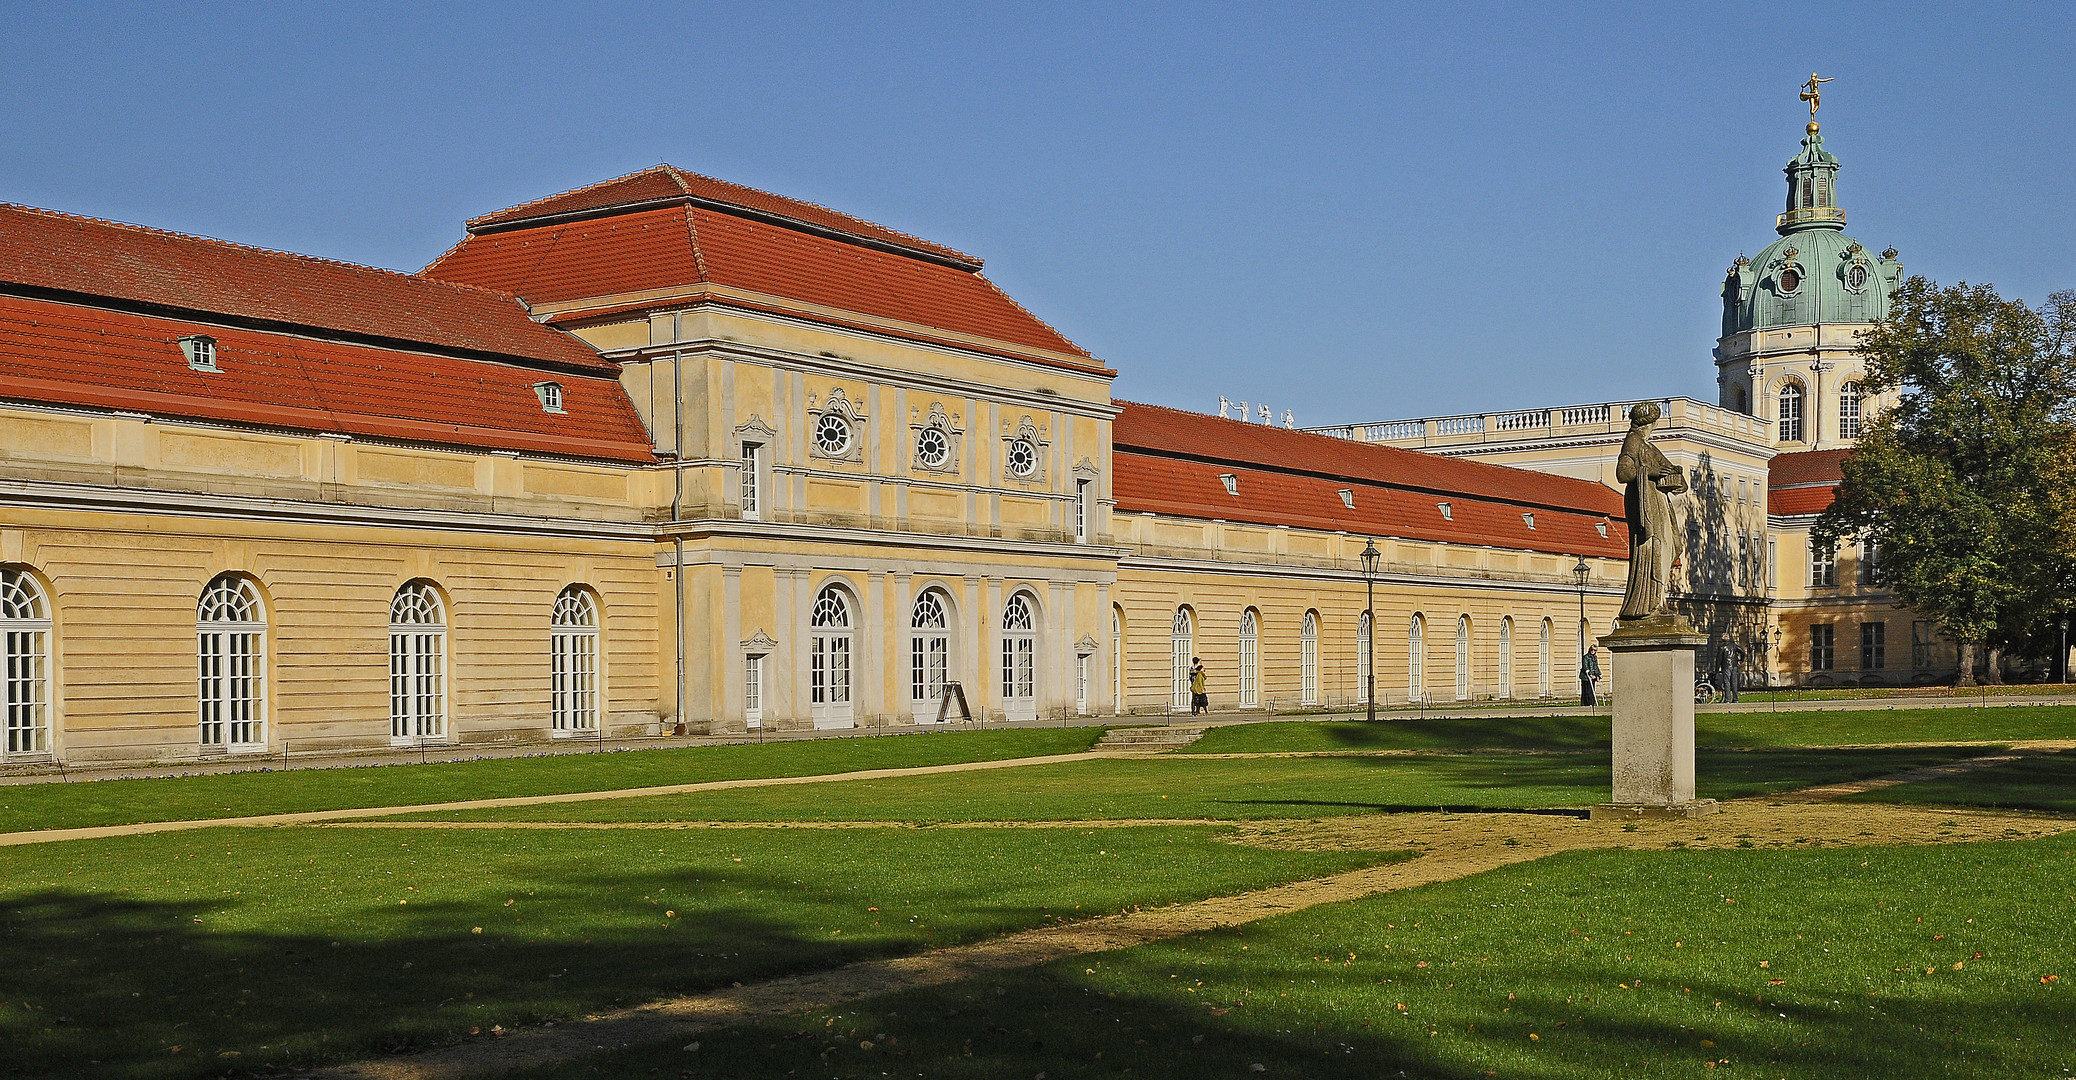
1650,483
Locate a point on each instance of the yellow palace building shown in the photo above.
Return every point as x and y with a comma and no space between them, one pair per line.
668,454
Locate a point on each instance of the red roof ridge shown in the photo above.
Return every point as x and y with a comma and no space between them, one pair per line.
1380,453
297,256
832,219
698,256
1013,302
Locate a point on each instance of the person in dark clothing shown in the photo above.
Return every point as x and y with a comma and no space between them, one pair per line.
1199,688
1729,670
1589,676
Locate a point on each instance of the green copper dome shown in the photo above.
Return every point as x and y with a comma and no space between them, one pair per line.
1814,273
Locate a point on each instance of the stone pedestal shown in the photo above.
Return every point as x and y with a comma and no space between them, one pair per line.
1654,721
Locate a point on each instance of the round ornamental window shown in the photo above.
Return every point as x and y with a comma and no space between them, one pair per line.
932,448
1790,279
832,434
1856,277
1023,458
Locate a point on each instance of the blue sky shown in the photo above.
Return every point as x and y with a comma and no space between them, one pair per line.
1350,211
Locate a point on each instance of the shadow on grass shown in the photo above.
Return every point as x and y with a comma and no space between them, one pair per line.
103,986
1072,1020
2038,782
1415,808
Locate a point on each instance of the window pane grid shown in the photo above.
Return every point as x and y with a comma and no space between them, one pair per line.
230,655
26,690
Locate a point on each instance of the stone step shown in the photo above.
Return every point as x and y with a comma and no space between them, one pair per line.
1151,739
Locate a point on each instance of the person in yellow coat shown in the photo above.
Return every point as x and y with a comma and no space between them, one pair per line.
1199,688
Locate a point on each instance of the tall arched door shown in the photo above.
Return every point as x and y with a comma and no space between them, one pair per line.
1180,646
1019,659
829,660
929,655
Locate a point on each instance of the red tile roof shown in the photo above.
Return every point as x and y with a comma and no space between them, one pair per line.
1809,467
639,247
1804,483
669,184
1168,461
70,354
1175,431
61,256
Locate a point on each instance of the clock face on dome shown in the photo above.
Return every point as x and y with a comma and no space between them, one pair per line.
1856,277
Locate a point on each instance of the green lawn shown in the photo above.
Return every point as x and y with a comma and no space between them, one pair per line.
2046,782
1858,962
270,949
1828,727
1228,789
122,802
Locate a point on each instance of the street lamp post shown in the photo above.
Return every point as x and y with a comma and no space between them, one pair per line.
1581,574
2064,624
1775,654
1370,555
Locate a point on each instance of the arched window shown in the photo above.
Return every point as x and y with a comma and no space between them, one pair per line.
929,654
1250,659
1849,399
231,650
1308,660
1463,657
1117,660
417,664
1791,413
1181,646
1365,656
1506,657
1542,662
573,662
1019,659
1416,676
829,659
25,625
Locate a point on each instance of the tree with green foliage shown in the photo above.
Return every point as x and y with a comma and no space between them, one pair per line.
1962,485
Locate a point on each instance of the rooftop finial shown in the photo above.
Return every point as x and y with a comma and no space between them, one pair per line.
1813,92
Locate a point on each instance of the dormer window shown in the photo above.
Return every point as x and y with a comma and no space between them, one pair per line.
550,394
1601,528
1529,520
1231,482
200,351
1348,498
1446,512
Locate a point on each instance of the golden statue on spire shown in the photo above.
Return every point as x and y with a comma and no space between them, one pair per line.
1813,92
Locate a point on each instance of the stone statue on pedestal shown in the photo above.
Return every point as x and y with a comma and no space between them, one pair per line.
1650,483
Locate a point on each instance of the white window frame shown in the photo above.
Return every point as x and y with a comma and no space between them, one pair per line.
929,653
1117,661
1181,645
1852,398
1416,666
1542,661
417,665
1506,657
1823,565
1082,488
1020,622
1308,660
752,482
231,663
1365,655
753,690
575,682
1789,409
1250,659
1081,685
1463,658
832,666
25,627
